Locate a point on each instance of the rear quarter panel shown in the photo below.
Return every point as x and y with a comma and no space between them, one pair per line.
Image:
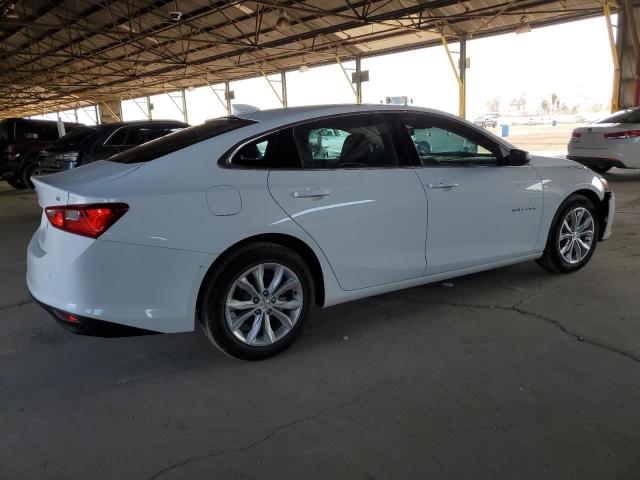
168,205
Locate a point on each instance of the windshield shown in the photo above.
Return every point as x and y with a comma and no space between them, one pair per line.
179,140
623,116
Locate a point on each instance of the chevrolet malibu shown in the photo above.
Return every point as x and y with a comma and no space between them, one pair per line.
243,225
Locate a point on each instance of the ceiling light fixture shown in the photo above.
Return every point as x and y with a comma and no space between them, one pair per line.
304,68
283,21
244,8
524,26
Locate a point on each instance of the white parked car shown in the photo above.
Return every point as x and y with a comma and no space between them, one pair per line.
242,225
613,141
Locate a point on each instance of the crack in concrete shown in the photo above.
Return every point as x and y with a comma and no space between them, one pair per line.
13,305
265,438
516,308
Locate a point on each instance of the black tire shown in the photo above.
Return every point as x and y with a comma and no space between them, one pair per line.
601,170
552,258
16,183
218,284
31,169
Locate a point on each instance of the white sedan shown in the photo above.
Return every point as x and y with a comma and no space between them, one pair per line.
611,142
242,225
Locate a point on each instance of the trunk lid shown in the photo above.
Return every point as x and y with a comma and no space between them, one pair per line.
55,189
592,136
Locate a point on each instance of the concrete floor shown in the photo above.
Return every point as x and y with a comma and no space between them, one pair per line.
509,374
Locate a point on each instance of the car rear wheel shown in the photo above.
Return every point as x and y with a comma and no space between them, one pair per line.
256,302
573,236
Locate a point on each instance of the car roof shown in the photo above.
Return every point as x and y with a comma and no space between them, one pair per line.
295,114
140,122
279,117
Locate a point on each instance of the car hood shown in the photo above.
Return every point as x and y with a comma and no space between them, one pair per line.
538,161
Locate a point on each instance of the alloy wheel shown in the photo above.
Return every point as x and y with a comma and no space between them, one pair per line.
576,235
264,304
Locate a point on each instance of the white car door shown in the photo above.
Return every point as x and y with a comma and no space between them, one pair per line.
365,210
480,210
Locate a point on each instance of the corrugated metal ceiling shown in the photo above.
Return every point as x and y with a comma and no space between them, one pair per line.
63,54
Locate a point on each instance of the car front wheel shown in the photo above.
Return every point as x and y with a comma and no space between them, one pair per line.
256,302
573,236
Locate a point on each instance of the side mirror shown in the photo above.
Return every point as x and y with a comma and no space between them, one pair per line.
517,157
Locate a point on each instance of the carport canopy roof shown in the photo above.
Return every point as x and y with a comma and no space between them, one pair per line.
66,54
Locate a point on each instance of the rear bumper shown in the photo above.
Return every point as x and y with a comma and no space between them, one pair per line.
81,325
610,198
148,288
597,162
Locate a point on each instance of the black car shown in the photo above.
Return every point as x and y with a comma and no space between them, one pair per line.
89,144
20,138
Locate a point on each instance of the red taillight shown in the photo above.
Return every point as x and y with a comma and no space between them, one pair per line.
88,220
575,135
622,135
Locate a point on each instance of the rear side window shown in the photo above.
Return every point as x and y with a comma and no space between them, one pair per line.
354,141
76,137
179,140
256,153
139,134
36,130
275,151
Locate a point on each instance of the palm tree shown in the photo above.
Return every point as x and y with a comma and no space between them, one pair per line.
545,106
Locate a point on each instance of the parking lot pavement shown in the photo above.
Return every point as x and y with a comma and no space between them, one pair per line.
514,373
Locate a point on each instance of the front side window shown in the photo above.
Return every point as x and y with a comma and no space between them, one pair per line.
356,141
446,143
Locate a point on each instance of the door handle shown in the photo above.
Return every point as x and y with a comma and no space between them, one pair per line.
312,192
444,186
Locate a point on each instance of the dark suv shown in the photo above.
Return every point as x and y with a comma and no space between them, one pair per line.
19,139
89,144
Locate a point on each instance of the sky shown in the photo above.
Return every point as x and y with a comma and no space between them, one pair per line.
572,60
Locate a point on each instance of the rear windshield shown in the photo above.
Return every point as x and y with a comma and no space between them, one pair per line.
76,137
179,140
623,116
